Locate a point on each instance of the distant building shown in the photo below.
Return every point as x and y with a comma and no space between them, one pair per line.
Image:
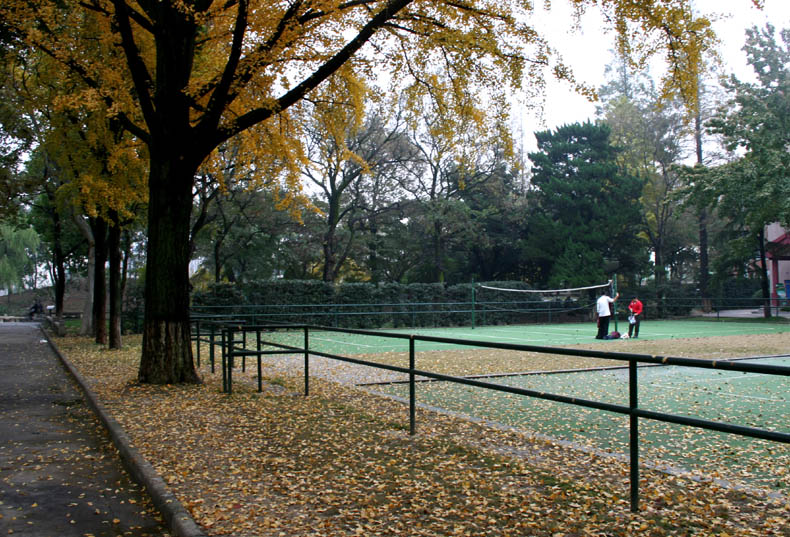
777,252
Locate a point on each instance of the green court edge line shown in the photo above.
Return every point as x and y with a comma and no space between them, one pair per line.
561,371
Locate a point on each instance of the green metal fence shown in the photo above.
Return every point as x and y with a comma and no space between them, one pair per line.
233,339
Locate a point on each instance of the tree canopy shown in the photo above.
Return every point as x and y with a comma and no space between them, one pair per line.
587,206
184,77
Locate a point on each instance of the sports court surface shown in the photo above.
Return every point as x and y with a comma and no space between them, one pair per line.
740,398
733,397
540,335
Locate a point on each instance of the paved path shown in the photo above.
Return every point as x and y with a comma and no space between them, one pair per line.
753,313
59,474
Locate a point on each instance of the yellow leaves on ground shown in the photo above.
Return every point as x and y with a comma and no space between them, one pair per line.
341,462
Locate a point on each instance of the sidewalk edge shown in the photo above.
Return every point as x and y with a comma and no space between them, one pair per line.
175,515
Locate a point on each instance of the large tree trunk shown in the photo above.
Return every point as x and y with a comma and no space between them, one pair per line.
86,327
704,270
704,279
99,227
114,254
167,348
59,271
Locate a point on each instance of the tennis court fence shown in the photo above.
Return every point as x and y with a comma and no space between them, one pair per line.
239,340
478,312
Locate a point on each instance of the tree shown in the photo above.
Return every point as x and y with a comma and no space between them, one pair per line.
66,246
17,248
585,203
102,184
649,133
497,211
458,155
16,131
85,164
241,234
201,72
754,190
352,162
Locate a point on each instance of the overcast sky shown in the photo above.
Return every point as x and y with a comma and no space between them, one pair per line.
589,51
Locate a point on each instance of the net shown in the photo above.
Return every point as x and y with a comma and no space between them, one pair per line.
509,305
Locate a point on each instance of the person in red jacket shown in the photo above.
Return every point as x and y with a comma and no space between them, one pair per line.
635,307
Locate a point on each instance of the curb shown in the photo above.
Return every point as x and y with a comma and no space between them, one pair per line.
175,515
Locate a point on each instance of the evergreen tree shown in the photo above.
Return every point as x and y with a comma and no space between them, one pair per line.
588,209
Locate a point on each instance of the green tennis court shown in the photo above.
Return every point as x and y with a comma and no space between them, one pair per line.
739,398
541,335
731,397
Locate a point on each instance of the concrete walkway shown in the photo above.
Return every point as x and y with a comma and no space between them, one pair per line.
59,473
750,313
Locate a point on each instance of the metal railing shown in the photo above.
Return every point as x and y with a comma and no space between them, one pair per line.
229,333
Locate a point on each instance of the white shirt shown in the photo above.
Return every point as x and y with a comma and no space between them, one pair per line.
602,305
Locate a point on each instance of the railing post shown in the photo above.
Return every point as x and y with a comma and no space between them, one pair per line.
306,362
197,344
223,332
412,390
211,347
244,344
258,349
634,433
231,350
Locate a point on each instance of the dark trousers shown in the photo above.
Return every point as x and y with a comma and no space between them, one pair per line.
633,328
603,327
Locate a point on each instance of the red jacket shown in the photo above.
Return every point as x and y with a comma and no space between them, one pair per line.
635,307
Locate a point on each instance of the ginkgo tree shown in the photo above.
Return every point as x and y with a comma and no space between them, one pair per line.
200,72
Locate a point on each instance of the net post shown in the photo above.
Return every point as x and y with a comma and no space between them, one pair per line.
614,304
474,292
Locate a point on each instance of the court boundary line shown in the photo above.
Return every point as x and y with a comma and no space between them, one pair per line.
562,371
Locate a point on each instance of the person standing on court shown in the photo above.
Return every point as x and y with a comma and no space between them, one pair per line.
603,308
635,307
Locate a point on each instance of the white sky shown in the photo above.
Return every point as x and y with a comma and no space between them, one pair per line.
588,51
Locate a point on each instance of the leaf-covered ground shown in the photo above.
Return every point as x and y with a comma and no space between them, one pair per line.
341,462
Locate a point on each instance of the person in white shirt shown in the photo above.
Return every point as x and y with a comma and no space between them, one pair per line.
604,311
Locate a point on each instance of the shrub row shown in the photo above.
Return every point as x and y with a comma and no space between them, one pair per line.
366,305
352,305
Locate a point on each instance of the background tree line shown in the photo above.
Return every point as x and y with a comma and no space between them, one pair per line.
631,192
413,188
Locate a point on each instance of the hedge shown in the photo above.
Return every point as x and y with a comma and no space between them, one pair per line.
367,305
